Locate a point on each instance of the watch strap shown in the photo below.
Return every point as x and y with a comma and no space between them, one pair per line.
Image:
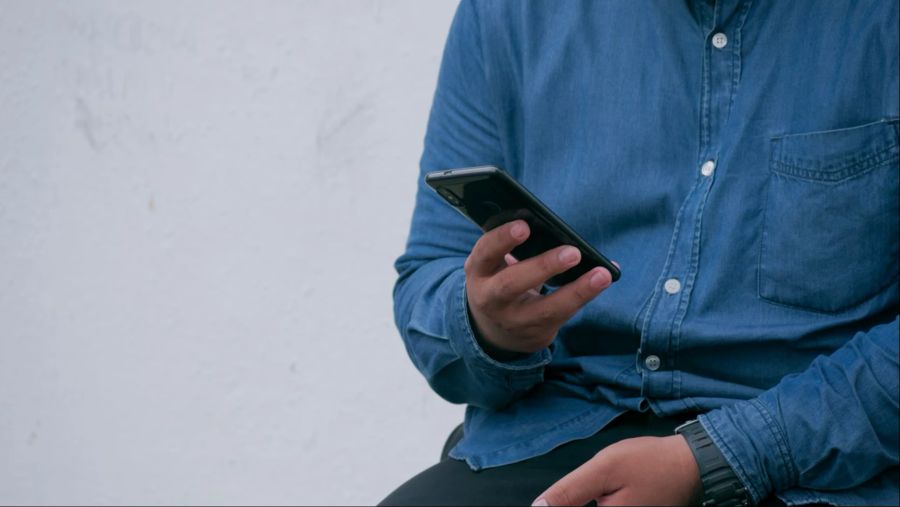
721,485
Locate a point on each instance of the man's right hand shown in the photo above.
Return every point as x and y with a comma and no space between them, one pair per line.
509,313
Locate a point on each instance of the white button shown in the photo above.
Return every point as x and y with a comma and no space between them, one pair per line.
672,286
720,40
652,363
707,168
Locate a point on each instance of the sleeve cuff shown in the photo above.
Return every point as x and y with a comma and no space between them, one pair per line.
521,373
754,445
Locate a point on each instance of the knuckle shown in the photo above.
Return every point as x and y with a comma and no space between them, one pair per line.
499,288
467,266
564,496
503,286
582,294
548,262
496,234
521,321
544,314
476,298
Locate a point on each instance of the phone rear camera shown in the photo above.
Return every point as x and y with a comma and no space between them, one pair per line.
490,208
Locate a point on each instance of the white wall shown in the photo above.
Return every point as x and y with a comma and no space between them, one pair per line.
200,204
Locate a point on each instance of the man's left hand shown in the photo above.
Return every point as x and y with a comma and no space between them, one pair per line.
636,471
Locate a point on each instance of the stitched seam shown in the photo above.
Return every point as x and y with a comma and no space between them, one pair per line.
780,438
668,264
762,238
889,283
856,168
891,122
737,63
690,279
637,318
737,466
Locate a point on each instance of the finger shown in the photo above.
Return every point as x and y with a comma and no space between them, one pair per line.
585,483
510,260
561,305
619,497
487,255
525,275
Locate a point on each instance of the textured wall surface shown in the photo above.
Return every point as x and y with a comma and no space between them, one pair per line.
200,203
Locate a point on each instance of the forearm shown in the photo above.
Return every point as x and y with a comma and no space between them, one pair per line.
833,426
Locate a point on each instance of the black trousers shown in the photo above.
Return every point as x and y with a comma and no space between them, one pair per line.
451,482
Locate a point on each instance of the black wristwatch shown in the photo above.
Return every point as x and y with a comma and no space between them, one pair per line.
721,485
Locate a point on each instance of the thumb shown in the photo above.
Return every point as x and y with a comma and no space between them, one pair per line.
582,485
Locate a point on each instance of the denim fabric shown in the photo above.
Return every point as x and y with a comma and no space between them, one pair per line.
785,328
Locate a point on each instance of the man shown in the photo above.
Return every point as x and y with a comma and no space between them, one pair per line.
740,161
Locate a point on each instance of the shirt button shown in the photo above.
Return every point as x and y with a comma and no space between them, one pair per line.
708,168
652,363
720,40
672,286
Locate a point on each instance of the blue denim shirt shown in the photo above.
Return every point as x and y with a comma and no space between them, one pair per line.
783,325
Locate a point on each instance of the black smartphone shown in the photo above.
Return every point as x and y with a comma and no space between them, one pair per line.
490,197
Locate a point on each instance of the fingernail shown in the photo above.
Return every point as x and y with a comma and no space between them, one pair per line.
518,230
569,255
601,279
540,502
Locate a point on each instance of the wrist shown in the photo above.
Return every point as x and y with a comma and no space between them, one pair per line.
687,465
496,352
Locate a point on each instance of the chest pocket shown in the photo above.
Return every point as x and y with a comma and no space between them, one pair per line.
830,235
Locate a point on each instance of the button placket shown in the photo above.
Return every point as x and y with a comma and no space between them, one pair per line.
661,332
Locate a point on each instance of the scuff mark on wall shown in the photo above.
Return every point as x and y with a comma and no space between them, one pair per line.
336,122
87,123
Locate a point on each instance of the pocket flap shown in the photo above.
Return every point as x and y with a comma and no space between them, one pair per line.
835,155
